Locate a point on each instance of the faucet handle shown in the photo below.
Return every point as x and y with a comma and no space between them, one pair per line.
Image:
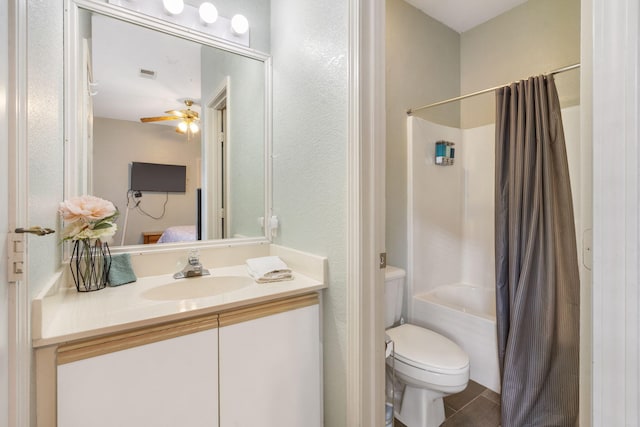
194,257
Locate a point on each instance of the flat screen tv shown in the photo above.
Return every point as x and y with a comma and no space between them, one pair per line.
158,177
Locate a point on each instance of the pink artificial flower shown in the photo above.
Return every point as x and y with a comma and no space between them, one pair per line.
87,208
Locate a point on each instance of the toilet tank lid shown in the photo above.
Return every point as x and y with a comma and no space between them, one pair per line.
391,273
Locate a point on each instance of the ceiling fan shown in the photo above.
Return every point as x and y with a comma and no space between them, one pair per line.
188,119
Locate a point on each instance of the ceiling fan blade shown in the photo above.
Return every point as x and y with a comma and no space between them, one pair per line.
158,119
187,114
179,113
191,117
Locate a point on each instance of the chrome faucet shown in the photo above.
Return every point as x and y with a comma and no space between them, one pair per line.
193,268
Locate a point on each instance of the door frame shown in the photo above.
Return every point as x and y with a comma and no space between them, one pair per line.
613,78
366,214
19,312
612,55
219,184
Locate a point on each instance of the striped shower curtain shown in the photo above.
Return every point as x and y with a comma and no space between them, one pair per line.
537,282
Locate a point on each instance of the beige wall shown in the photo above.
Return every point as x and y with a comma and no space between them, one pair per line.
117,143
536,37
422,66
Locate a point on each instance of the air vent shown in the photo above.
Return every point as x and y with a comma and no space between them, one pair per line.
147,74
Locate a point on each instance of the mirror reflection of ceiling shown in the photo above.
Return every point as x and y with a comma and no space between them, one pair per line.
120,50
462,15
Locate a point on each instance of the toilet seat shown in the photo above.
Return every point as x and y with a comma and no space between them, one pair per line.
425,349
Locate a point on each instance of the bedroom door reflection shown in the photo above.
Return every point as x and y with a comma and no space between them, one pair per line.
217,203
222,169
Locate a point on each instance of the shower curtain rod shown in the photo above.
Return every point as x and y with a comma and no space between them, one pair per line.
410,111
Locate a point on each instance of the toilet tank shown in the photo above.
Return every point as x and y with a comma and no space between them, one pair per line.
393,291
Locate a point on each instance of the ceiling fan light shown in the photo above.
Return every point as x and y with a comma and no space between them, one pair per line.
208,13
239,24
173,7
193,127
183,126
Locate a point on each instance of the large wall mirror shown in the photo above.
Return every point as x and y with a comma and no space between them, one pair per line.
169,125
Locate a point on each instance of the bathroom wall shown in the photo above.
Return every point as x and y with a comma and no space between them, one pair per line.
309,43
530,39
422,66
45,141
45,135
117,143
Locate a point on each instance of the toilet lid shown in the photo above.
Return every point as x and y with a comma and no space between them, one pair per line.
427,350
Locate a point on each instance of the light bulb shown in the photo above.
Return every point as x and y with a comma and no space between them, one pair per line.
174,7
193,127
239,24
183,126
208,13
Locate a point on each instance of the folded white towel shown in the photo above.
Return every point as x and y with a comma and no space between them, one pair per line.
268,269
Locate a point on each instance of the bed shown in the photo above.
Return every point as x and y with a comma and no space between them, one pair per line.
178,233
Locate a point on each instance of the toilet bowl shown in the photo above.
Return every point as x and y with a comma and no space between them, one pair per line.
428,365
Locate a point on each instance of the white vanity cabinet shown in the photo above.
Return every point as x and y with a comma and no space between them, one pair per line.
169,381
257,365
270,365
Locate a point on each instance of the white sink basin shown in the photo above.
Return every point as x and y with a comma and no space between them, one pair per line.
198,287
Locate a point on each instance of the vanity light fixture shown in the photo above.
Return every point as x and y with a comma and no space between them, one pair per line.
239,24
173,7
203,18
208,13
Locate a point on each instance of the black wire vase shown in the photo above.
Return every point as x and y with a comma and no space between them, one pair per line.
90,264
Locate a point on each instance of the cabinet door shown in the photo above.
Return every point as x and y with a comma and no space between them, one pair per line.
167,383
270,371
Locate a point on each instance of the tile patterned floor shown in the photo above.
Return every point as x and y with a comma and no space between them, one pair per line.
475,406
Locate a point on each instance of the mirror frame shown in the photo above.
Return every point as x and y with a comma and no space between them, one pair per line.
76,158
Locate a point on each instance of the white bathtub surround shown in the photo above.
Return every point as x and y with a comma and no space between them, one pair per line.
466,315
451,231
435,209
450,209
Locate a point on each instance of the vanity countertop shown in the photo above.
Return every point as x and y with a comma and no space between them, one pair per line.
68,315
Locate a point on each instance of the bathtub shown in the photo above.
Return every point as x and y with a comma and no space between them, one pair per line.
466,315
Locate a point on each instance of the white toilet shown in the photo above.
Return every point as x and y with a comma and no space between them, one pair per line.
429,365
